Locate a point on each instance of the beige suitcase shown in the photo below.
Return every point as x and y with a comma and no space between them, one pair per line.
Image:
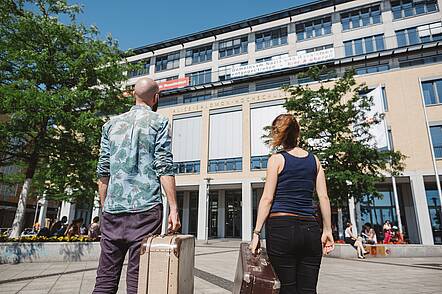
166,265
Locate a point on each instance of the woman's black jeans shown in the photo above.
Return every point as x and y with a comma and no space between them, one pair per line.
295,251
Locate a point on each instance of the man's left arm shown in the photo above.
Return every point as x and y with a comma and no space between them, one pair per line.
163,164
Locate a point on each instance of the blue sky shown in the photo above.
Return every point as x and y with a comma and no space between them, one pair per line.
137,23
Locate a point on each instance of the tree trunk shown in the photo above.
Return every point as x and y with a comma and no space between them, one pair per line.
17,225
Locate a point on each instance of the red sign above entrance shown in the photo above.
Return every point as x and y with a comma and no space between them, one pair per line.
174,84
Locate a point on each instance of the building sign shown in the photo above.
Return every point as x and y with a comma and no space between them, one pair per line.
288,62
174,84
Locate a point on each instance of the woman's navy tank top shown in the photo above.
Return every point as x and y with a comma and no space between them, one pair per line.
296,183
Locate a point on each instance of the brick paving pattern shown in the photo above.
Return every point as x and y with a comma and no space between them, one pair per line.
215,268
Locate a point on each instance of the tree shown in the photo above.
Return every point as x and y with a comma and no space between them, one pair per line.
336,127
58,83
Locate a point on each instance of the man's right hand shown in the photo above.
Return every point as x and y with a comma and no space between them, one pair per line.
174,222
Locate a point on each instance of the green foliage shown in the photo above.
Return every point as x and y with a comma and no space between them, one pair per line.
58,83
334,115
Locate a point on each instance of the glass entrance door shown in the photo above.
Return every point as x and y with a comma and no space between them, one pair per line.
213,214
233,212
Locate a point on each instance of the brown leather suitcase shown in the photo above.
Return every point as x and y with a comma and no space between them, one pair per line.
167,265
254,273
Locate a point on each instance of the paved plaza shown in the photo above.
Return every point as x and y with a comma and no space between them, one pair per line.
215,267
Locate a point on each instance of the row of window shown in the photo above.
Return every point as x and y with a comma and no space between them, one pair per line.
406,37
306,30
221,165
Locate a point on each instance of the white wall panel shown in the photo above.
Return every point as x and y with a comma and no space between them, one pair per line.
260,118
225,135
186,139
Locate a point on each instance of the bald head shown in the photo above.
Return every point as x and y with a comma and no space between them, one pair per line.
146,90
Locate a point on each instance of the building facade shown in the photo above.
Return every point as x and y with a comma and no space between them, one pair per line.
232,79
222,86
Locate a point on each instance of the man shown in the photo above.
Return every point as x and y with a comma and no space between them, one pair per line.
135,160
58,228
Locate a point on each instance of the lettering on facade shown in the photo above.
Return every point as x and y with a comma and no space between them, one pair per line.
230,102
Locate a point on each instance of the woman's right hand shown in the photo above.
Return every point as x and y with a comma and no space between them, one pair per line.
328,244
255,244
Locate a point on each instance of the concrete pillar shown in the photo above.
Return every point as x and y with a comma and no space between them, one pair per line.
186,213
68,210
340,225
202,211
359,223
351,210
421,208
96,209
246,211
165,215
221,213
42,213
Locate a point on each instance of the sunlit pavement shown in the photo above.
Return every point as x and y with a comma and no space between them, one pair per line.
215,267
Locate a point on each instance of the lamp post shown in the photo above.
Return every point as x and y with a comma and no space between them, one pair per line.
207,209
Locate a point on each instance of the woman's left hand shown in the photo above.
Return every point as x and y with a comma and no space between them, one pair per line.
255,244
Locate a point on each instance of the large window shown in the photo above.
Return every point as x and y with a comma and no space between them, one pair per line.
272,84
407,8
361,18
436,138
224,72
225,140
233,90
314,28
432,91
188,167
143,68
167,62
434,208
193,212
271,38
378,210
200,77
224,165
372,69
198,55
421,34
186,147
315,49
233,47
364,45
197,96
272,58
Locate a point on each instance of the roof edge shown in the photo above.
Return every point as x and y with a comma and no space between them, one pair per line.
296,10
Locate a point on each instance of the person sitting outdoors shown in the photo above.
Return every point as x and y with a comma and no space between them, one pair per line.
370,234
58,228
397,237
74,228
355,241
387,232
94,229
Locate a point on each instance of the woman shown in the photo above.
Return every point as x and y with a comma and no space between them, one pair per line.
354,241
294,242
370,234
387,232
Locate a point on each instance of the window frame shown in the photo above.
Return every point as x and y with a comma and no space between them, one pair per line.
268,36
359,13
243,44
204,73
402,6
165,61
199,52
309,32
